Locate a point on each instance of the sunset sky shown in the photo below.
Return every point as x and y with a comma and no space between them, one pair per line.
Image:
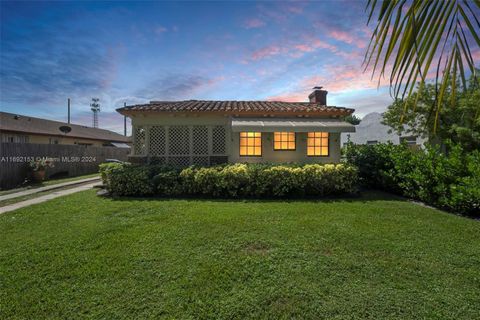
137,52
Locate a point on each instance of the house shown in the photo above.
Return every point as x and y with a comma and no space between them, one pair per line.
16,128
182,133
371,131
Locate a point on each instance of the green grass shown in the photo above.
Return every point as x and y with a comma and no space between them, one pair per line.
47,183
82,256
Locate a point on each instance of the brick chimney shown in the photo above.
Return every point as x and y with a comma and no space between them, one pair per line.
318,96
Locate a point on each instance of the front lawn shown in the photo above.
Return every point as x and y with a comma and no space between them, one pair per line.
82,256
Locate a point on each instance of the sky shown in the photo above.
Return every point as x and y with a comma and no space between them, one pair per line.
135,52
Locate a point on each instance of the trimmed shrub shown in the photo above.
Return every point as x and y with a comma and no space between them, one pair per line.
230,181
128,180
446,180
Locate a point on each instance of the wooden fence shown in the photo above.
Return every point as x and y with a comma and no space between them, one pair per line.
69,160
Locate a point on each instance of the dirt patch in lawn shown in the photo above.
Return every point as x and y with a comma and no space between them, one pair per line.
257,248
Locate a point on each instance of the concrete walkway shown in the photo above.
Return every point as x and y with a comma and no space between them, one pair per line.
47,197
47,188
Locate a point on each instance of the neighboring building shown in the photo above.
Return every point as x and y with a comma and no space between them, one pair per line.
25,129
372,131
209,132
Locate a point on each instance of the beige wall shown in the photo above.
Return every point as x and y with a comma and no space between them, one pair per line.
268,154
299,155
42,139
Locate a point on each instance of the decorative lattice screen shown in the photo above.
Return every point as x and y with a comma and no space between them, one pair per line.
218,140
200,161
157,141
200,140
182,145
177,161
179,140
218,160
139,141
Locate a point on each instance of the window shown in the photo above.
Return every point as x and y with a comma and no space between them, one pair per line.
14,138
372,141
411,140
284,141
317,144
250,144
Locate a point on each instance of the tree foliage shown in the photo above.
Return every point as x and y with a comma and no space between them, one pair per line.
353,119
460,122
416,37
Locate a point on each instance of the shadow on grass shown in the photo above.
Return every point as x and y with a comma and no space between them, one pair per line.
362,196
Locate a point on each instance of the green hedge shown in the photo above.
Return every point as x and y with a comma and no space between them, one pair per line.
449,180
230,181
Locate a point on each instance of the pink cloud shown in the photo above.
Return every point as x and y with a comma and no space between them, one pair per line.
296,50
291,97
335,79
347,38
253,23
266,52
304,48
342,78
317,43
476,57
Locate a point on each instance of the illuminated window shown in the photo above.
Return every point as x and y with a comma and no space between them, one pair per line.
284,141
250,143
317,144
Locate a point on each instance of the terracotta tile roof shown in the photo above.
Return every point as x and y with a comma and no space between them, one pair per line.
236,107
26,124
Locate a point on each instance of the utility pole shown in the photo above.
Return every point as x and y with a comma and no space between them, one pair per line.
125,121
68,102
95,107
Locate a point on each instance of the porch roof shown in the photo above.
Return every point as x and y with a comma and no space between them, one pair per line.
291,125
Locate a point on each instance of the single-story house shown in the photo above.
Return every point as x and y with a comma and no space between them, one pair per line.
15,128
182,133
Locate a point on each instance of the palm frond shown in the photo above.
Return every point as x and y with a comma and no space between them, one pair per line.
411,35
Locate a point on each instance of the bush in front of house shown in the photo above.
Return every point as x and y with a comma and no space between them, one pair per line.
449,180
231,181
125,179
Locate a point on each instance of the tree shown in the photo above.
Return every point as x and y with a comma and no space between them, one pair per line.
353,119
411,37
460,122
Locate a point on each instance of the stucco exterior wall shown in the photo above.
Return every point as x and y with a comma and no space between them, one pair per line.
232,139
299,155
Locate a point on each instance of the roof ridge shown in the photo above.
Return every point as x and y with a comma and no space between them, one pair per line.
238,106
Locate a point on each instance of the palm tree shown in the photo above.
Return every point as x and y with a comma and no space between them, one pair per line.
415,37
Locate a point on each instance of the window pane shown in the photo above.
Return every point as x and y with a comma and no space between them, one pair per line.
284,140
317,144
248,143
